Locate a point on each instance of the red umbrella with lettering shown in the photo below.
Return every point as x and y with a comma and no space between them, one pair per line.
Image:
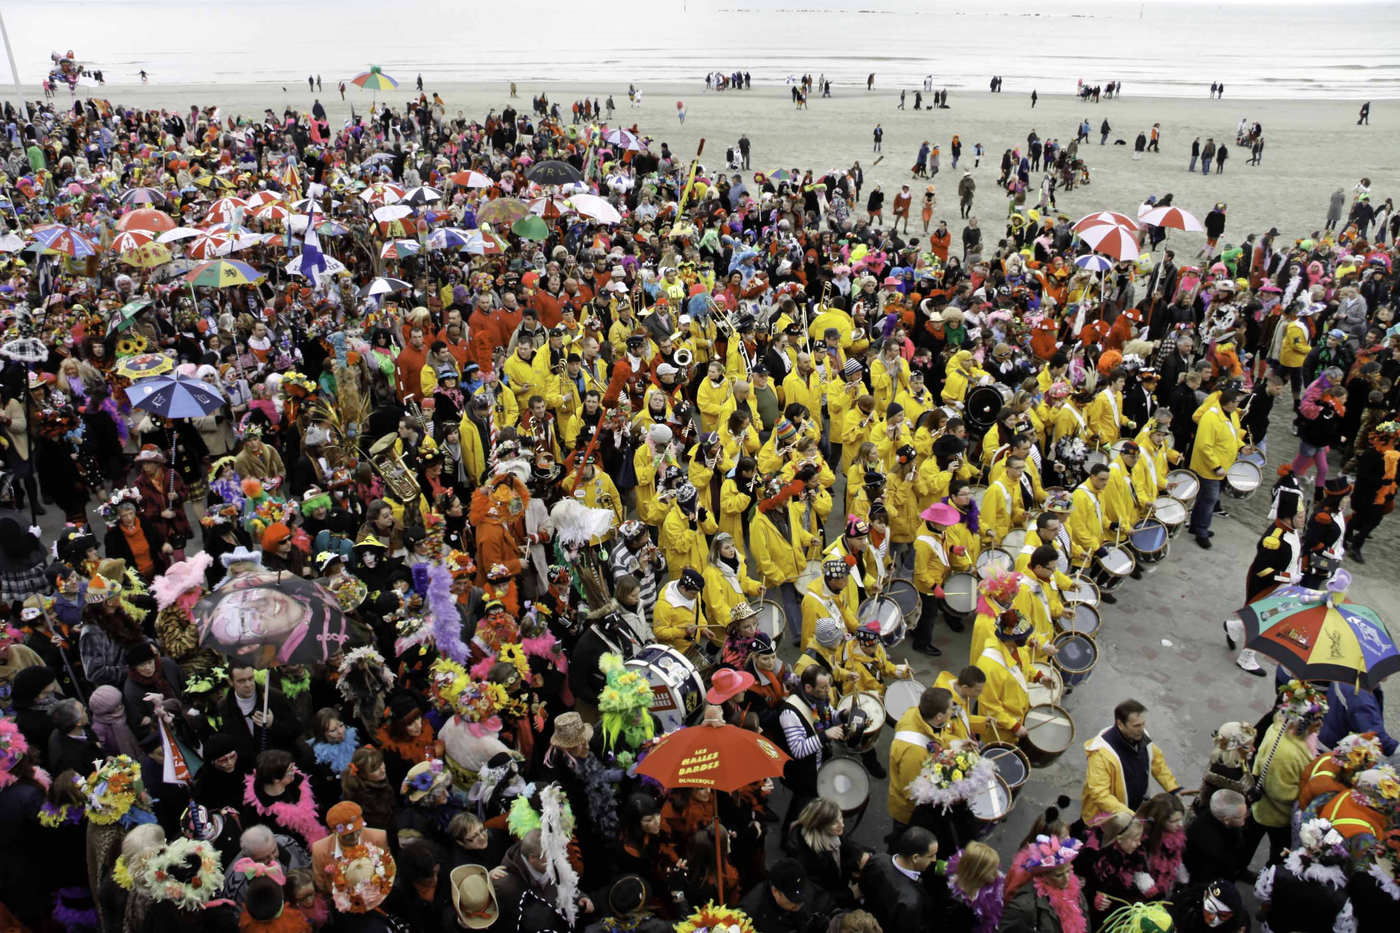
720,757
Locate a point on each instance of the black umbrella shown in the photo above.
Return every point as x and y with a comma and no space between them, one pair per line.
554,172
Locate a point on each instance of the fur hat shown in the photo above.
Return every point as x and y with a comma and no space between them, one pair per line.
181,577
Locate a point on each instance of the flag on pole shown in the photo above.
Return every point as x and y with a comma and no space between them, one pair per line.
313,261
176,767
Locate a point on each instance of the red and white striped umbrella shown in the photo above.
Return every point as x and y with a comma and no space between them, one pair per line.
470,180
1173,217
1104,217
273,211
382,193
549,208
223,209
259,198
129,240
1111,240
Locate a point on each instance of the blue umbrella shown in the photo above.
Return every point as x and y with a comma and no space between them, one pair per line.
172,396
1094,262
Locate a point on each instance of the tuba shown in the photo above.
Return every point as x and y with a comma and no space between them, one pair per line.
683,358
388,463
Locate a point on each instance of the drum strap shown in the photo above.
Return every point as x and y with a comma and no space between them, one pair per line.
816,655
936,546
1098,506
912,737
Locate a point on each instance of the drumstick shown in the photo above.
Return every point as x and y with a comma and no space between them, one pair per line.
1037,725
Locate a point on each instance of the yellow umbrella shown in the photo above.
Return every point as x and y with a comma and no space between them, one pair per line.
214,181
147,256
144,364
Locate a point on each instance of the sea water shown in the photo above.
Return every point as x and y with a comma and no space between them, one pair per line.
1278,49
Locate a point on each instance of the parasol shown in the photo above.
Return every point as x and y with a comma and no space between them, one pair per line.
502,211
174,396
553,172
143,365
1321,636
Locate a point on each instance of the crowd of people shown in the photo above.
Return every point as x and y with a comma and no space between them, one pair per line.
378,643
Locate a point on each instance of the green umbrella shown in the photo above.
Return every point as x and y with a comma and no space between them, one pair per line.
126,314
530,228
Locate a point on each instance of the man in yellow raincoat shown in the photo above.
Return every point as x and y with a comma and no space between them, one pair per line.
1006,698
1122,760
962,374
921,727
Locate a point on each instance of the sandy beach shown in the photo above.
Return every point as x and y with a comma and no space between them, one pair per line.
1311,147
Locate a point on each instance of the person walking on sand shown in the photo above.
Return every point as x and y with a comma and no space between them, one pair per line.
342,90
744,146
967,187
921,161
977,151
1139,145
1034,97
870,82
1334,209
1221,154
1195,153
1156,138
311,82
875,206
879,136
1365,117
1207,153
1104,130
420,82
902,201
927,213
901,101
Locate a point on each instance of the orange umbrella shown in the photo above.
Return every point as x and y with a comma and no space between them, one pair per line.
146,218
720,757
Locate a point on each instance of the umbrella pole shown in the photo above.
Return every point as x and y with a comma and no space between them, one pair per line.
267,696
719,854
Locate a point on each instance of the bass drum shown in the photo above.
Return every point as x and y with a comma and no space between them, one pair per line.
772,621
846,783
677,689
885,611
901,695
1149,540
983,403
910,603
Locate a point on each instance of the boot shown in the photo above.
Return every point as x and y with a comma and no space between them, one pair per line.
1354,552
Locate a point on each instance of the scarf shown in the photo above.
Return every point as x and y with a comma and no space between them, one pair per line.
1066,902
337,756
154,683
411,750
299,816
986,906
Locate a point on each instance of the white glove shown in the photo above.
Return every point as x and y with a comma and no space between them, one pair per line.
1143,881
1182,875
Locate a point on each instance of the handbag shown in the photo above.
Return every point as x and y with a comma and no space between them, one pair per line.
1256,792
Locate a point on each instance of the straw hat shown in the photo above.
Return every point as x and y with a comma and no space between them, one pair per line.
474,897
570,731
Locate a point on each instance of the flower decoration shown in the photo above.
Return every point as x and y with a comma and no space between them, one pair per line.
1318,837
361,878
1046,853
625,703
130,344
951,775
366,658
715,918
186,872
108,509
1379,788
1301,704
13,747
1358,751
114,790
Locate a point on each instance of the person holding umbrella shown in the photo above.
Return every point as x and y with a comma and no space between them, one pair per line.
163,496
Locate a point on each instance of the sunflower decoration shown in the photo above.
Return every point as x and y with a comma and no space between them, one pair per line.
115,790
297,385
130,344
716,918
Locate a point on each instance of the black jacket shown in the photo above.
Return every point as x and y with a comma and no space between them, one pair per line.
1212,850
899,902
768,917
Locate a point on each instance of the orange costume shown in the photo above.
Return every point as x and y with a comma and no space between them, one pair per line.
495,510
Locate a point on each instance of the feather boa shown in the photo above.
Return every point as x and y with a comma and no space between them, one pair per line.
1164,863
986,906
73,909
337,756
575,524
1066,903
556,829
1317,872
1382,869
447,623
300,817
926,790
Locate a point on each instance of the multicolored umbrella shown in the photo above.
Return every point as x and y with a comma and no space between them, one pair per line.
381,193
398,249
224,210
143,365
1094,262
126,314
63,239
549,207
1320,636
374,80
422,195
483,243
448,238
222,273
214,181
146,256
272,618
502,211
141,195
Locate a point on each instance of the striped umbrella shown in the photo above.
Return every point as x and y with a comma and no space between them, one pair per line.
172,396
1111,240
1104,217
63,239
274,212
470,180
224,209
1094,262
382,192
422,195
222,273
209,245
129,240
1173,217
175,234
385,286
398,249
448,238
259,198
141,195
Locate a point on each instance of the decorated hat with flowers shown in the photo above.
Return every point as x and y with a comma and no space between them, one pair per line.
12,748
186,872
114,790
1002,587
361,878
1358,751
1047,853
714,918
1379,789
1301,704
424,778
625,703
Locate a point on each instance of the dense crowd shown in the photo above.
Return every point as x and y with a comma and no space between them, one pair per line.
545,467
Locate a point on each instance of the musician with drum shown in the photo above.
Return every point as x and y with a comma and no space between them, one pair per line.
809,725
867,659
1090,521
1155,442
922,728
962,373
1006,697
830,650
827,598
965,719
679,616
934,559
1002,506
1219,441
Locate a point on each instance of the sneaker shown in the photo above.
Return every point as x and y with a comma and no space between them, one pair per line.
1228,640
1220,510
1248,664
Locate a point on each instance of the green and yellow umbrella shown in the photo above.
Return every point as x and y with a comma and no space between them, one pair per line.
1321,636
223,273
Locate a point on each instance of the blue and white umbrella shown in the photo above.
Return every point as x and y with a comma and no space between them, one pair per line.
1094,262
448,238
172,396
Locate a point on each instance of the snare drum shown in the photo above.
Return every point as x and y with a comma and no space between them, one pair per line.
1012,763
846,783
1078,653
1243,477
887,613
874,711
678,691
772,620
1171,513
901,695
982,404
994,561
1149,540
1112,565
1049,689
1083,591
960,594
1183,485
1049,733
1013,542
1086,620
992,802
910,603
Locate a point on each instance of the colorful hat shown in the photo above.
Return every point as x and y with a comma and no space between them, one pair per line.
1002,587
1301,704
836,569
857,527
691,579
13,747
940,513
785,431
424,778
1358,751
345,817
727,683
100,589
1047,853
829,632
149,453
869,632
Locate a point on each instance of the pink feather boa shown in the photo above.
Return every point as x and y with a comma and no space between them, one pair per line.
300,817
1066,902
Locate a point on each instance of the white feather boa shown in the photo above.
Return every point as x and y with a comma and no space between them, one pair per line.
554,837
924,790
575,524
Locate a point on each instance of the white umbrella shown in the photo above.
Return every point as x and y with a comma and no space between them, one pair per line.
591,205
623,138
391,212
385,285
1173,217
11,243
179,233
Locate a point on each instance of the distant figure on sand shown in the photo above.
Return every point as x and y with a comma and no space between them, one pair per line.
342,90
879,136
870,82
1365,116
1034,97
